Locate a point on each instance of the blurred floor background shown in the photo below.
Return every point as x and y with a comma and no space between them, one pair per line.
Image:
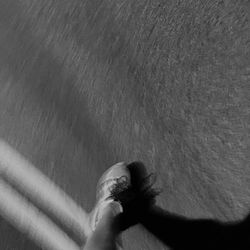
87,83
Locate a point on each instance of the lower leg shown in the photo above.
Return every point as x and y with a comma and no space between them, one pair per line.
107,230
105,215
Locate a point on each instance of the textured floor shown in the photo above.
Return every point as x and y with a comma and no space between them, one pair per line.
87,83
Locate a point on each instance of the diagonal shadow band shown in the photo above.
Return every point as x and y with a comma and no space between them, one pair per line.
47,80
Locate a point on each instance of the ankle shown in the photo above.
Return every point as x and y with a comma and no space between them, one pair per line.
109,215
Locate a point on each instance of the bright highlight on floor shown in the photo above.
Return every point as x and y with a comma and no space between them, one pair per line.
19,175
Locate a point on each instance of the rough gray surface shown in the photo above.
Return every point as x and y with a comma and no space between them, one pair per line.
86,83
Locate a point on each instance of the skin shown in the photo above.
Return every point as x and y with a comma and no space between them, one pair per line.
105,235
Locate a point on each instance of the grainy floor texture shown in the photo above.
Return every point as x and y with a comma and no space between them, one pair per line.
87,83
